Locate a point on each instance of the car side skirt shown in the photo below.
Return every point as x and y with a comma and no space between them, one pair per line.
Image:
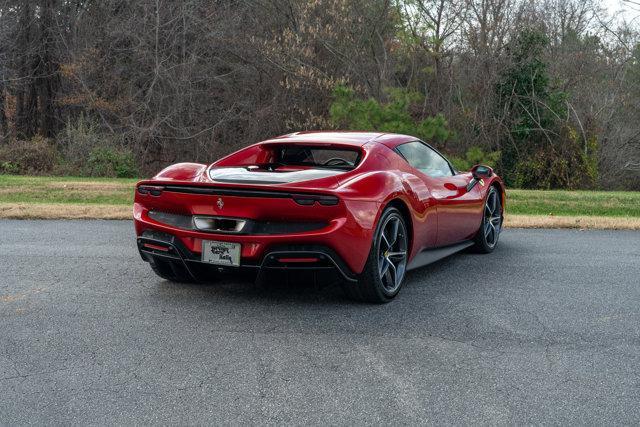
431,255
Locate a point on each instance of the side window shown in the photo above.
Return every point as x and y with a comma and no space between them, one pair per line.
426,160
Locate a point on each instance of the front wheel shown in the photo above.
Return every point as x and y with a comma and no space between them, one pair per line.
487,237
384,271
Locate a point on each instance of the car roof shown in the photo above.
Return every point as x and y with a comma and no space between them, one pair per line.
347,138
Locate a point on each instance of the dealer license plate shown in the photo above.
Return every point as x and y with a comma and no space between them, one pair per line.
221,253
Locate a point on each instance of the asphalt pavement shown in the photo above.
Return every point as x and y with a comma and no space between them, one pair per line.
544,330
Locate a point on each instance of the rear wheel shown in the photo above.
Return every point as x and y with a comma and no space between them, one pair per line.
487,237
384,271
171,271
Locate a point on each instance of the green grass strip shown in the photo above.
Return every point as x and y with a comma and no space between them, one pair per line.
115,191
574,203
67,190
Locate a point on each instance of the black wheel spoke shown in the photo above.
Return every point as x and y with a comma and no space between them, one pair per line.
385,241
394,274
384,266
394,231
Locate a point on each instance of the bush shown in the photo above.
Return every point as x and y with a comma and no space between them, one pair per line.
9,168
88,150
81,149
395,116
77,140
34,156
565,165
112,162
476,156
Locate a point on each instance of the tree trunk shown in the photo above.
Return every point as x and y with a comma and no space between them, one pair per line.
24,113
4,128
47,79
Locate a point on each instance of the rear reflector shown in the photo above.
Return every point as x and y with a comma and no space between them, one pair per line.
156,247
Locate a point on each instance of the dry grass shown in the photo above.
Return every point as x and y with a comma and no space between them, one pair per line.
63,211
89,185
93,211
578,222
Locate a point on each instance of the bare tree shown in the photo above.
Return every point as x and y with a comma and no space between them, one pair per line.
192,80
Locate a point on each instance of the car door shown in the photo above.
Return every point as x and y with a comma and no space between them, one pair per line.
458,210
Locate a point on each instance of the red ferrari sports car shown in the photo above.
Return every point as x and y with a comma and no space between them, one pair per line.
364,206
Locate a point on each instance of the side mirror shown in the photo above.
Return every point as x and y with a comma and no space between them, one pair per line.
481,172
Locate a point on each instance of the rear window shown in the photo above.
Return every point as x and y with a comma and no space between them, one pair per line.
333,158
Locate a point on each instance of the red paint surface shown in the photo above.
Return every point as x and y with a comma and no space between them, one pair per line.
440,210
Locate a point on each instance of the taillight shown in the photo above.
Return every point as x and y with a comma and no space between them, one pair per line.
310,199
154,190
306,201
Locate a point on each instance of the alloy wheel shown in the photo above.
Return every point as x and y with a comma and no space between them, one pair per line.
492,219
392,253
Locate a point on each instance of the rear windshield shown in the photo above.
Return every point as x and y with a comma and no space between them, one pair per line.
333,158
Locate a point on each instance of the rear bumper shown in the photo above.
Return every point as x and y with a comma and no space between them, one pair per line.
288,258
343,244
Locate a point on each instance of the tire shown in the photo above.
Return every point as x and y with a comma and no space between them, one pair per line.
487,236
171,271
386,265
